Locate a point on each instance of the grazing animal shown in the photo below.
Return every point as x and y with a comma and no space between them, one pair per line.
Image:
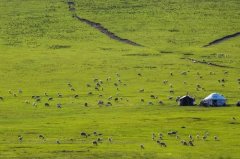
95,143
27,102
41,137
163,144
165,82
58,142
171,91
160,102
84,134
153,96
69,84
20,138
172,133
38,100
150,103
20,91
190,143
184,142
88,85
216,138
50,99
46,104
36,97
85,104
59,105
110,98
98,85
139,74
142,146
204,137
142,100
184,73
60,95
197,136
90,93
160,135
109,79
178,98
1,98
110,139
46,94
190,137
72,89
198,86
141,90
100,102
76,96
99,139
109,104
153,135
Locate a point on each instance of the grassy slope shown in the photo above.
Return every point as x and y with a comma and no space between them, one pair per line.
31,29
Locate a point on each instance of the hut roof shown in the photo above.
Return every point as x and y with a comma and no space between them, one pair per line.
215,96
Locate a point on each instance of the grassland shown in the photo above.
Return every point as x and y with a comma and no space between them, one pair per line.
42,48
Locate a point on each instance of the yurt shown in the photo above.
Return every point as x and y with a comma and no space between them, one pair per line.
214,99
186,101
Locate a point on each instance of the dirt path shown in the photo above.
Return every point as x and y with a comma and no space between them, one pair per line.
105,31
99,27
207,63
217,41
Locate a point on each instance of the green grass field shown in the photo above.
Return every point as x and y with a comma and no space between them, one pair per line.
43,48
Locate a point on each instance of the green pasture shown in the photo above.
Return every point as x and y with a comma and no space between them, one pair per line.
43,48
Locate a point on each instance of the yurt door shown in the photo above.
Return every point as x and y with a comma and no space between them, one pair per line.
214,102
